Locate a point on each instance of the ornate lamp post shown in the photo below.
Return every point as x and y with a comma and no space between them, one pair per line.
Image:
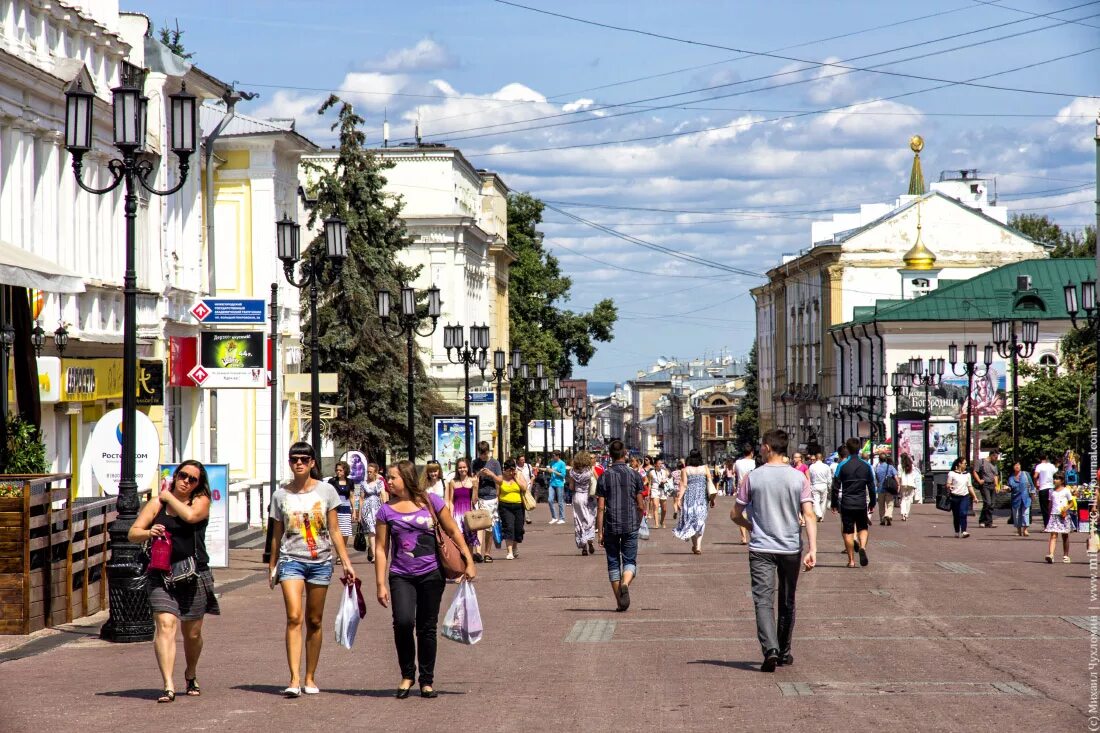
499,370
38,338
408,322
522,377
971,370
313,275
544,398
1011,343
131,619
1091,320
474,351
564,401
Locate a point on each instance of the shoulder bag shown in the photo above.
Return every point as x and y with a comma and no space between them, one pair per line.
890,483
943,501
160,553
529,502
183,571
451,561
477,519
592,485
711,488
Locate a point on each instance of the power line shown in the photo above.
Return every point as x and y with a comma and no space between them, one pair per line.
714,128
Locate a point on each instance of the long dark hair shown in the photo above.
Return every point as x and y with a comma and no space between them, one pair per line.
906,461
203,487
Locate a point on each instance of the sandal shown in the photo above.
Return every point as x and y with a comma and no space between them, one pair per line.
488,559
192,687
168,696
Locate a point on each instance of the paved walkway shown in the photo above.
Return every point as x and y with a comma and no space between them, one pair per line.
936,634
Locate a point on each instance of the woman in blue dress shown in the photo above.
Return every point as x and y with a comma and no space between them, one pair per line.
692,501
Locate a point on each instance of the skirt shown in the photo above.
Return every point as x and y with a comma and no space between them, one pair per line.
1058,525
368,512
461,506
584,519
344,518
186,601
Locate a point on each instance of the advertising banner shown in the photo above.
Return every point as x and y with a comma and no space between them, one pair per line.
449,438
104,451
230,359
150,383
217,529
910,439
944,442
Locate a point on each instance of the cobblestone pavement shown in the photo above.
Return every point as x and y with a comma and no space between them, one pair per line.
936,634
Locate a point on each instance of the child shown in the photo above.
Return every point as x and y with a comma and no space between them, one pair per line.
1062,505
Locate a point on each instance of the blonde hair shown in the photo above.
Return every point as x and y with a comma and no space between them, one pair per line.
583,461
428,467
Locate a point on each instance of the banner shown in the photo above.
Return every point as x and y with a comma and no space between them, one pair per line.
217,528
910,439
449,438
150,383
943,438
230,359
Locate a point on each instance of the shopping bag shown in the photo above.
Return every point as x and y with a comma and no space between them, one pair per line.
463,620
352,608
498,532
643,530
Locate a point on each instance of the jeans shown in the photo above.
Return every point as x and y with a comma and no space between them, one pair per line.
988,491
764,567
622,554
1021,509
556,495
960,511
415,600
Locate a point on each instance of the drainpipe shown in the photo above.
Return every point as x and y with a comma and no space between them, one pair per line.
884,380
230,98
840,387
848,349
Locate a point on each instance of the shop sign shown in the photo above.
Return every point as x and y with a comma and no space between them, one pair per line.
230,359
150,383
88,380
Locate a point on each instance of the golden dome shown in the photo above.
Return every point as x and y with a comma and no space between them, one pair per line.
919,257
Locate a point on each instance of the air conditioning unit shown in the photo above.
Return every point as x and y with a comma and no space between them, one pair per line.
1023,283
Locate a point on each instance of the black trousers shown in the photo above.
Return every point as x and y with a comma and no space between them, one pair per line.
1044,505
511,521
415,601
988,491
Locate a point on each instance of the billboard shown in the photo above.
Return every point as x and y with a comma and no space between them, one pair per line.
554,435
449,440
943,441
229,359
910,439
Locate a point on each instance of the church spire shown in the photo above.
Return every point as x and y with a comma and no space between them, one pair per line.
916,176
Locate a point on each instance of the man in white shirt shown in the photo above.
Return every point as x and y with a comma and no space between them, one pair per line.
1044,482
741,469
821,480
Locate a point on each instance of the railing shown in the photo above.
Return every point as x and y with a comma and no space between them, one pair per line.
53,553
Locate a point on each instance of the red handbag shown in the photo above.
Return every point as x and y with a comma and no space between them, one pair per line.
160,553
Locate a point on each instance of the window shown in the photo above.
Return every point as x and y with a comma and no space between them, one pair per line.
720,427
1048,360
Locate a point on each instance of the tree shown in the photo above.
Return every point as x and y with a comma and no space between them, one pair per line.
173,39
539,327
748,417
371,364
1042,229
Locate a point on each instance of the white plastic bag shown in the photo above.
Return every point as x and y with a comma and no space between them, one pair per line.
463,620
352,608
643,530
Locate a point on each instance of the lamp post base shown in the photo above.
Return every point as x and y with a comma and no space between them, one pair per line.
127,587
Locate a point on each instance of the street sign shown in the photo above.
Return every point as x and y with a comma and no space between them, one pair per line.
228,378
217,311
481,398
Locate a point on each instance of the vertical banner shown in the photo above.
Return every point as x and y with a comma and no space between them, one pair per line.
910,439
449,440
944,441
217,529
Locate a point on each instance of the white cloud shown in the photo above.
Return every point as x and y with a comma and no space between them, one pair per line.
426,55
577,105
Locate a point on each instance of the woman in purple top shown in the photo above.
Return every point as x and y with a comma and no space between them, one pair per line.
406,525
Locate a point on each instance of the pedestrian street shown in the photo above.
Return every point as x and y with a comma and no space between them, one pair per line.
936,633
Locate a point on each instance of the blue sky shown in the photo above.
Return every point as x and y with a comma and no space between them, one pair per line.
482,74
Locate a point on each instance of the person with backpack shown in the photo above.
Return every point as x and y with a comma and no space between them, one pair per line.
886,478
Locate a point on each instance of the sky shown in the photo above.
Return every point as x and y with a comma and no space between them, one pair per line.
684,150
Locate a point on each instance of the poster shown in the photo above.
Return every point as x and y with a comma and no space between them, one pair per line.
449,440
230,359
217,529
943,440
987,392
357,460
910,439
104,451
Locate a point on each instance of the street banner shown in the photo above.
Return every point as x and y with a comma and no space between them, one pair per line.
944,441
217,528
910,439
358,462
104,451
449,438
553,431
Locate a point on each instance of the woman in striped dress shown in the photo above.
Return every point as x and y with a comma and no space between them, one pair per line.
373,493
345,489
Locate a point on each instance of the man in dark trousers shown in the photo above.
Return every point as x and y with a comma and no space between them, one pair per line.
987,477
488,473
619,509
776,496
852,496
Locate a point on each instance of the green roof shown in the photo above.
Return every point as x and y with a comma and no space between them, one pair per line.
989,296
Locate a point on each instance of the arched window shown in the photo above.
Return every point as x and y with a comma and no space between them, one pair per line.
1048,360
718,402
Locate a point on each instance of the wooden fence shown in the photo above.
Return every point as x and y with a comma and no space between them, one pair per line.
53,553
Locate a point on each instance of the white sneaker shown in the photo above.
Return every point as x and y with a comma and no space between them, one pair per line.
510,556
561,521
552,521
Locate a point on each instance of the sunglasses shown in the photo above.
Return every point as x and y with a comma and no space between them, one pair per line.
189,478
300,459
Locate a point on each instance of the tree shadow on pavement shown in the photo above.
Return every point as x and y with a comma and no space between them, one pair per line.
142,694
732,664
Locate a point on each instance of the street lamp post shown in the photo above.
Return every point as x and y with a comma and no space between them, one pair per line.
499,370
914,375
313,275
1091,320
544,398
131,618
473,351
564,401
971,370
1011,343
408,322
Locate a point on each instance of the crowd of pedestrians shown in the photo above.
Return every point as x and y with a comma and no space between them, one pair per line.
780,498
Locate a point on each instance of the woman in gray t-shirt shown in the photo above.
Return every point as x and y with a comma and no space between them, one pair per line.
307,531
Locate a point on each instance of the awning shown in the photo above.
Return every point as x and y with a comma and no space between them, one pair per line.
25,269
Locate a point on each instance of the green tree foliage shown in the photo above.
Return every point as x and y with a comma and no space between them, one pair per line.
26,451
371,364
539,326
173,39
747,429
1065,243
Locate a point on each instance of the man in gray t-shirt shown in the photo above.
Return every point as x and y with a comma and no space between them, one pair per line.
987,477
778,496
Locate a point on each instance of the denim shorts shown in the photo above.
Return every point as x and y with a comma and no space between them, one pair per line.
314,573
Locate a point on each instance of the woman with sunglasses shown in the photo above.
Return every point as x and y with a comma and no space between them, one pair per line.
307,530
408,571
180,512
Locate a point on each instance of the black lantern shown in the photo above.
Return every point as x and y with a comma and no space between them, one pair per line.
287,233
336,238
38,338
61,339
184,122
78,119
